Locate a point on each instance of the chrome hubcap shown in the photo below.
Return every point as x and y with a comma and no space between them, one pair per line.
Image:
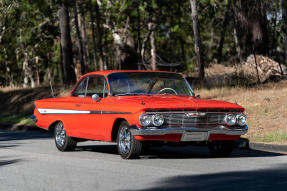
125,140
60,134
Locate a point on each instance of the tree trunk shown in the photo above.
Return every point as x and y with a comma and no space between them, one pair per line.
139,31
284,29
27,72
251,27
84,36
222,35
143,47
234,33
93,35
126,56
274,32
197,40
66,46
79,39
152,44
99,35
37,71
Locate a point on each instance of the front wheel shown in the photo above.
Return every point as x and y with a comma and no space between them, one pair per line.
62,141
128,146
221,148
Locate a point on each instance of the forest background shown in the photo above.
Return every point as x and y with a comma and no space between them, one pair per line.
58,40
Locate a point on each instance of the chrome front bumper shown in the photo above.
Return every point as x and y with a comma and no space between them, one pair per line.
195,134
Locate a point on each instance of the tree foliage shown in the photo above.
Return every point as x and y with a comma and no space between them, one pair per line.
109,34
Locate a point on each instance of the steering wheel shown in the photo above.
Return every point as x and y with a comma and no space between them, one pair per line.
167,89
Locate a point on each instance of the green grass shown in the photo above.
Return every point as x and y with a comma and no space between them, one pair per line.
270,137
15,119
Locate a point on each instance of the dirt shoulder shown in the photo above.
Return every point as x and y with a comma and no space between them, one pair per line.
266,109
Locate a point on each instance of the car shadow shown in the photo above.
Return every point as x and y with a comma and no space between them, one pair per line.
200,152
176,152
107,149
263,180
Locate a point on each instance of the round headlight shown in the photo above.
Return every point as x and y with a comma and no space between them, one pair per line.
230,119
157,120
145,120
241,119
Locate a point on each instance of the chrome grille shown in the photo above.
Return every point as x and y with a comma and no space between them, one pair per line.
183,120
192,118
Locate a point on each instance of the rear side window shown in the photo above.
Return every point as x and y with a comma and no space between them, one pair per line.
80,90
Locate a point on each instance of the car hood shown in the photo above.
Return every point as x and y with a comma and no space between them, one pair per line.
171,102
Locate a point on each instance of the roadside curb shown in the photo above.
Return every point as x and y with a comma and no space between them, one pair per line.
268,147
246,144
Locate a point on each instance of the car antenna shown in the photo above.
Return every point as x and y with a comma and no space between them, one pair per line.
52,89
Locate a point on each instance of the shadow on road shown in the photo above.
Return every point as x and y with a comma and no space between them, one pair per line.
8,138
13,136
8,145
107,149
174,152
8,162
263,180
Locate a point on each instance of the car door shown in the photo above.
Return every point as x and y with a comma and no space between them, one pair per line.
91,123
75,112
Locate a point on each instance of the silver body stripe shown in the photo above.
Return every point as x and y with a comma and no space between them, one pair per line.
70,111
61,111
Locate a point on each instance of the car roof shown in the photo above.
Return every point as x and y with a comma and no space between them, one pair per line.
107,72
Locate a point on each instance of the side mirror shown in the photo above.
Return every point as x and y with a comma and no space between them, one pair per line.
96,97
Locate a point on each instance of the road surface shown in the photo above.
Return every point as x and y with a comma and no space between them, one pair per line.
30,161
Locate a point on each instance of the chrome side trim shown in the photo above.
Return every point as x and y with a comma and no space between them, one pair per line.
61,111
70,111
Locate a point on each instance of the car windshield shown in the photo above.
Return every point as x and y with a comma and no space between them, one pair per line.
148,83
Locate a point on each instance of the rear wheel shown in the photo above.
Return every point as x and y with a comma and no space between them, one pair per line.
221,148
62,141
128,146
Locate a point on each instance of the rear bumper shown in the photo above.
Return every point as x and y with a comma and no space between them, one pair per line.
34,118
189,134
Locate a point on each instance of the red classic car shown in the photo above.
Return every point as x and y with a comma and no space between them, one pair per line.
134,108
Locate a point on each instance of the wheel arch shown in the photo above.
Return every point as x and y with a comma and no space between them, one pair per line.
115,129
53,125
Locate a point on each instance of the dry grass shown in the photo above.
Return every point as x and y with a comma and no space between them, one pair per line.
266,108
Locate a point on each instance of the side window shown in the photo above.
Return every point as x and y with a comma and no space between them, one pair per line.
97,85
80,89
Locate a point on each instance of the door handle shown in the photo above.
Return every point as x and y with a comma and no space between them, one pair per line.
78,105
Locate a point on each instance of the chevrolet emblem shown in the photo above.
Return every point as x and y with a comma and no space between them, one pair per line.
193,114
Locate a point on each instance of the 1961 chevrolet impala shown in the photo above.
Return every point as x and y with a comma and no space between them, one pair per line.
134,108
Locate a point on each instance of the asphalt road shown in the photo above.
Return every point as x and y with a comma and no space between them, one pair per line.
30,161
